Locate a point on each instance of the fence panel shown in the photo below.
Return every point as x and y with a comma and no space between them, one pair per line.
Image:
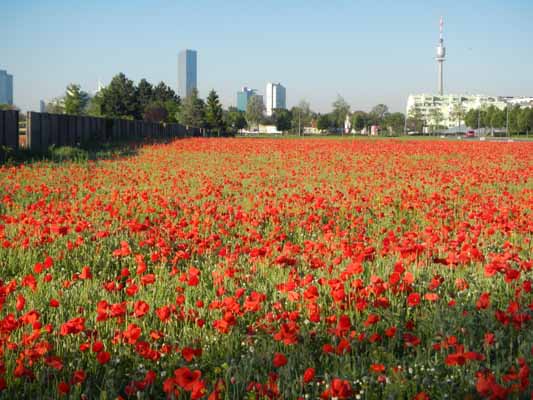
44,130
11,129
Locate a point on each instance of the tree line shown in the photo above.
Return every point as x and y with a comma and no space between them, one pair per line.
301,115
122,98
514,118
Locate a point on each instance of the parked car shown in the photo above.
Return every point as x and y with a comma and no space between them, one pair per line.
470,134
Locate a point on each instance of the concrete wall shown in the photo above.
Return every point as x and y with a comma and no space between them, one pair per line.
44,130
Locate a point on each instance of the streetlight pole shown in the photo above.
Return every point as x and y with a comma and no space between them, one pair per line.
507,124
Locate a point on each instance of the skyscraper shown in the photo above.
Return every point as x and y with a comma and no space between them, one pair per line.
187,72
243,97
6,88
275,97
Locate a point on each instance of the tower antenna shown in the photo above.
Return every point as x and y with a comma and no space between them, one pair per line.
441,56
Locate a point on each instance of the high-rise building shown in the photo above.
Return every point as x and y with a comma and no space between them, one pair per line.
275,97
243,97
42,106
6,88
187,73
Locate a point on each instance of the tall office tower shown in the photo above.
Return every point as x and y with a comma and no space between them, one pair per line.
187,73
6,88
243,97
42,106
275,97
441,55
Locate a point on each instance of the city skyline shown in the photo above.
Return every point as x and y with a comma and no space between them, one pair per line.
361,52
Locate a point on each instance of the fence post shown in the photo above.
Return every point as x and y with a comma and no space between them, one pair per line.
45,131
33,132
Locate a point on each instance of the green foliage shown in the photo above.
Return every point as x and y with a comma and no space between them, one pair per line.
457,114
395,122
145,94
435,119
56,106
119,99
192,111
472,118
164,93
302,116
155,112
235,119
255,111
213,113
94,108
67,153
323,123
341,108
282,119
359,120
379,113
415,120
75,100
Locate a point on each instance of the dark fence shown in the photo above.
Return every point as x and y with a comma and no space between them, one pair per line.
9,129
44,130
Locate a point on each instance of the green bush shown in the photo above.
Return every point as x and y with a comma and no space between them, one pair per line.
67,153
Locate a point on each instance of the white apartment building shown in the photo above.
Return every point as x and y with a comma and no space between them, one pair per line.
446,104
275,97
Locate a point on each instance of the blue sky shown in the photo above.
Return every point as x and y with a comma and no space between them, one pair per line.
367,51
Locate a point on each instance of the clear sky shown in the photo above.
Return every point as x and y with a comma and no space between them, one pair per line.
367,51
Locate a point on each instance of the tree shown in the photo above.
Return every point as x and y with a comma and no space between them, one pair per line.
282,119
155,112
145,94
119,99
255,111
360,120
163,93
340,110
173,108
75,100
323,123
235,119
7,107
94,108
436,117
55,106
395,122
472,118
498,118
415,120
379,112
192,111
213,113
301,116
458,113
525,120
514,123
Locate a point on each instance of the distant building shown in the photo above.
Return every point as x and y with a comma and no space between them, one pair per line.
6,88
187,72
42,106
275,97
243,97
428,103
520,101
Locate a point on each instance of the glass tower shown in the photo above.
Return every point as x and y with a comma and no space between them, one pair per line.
187,72
6,88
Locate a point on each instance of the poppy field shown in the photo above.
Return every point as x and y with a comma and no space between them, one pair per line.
270,269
